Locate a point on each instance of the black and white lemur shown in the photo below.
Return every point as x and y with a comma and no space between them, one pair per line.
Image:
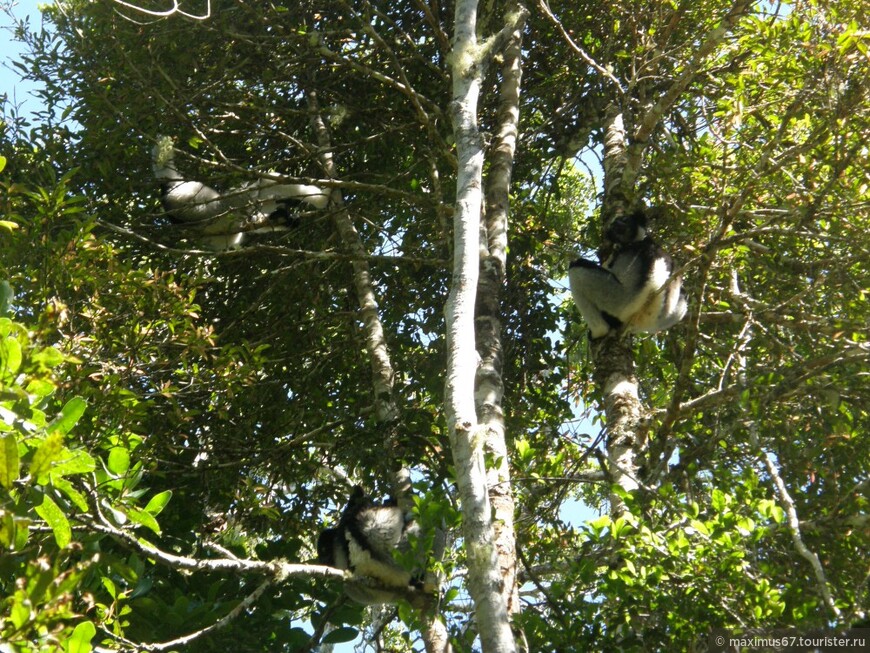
363,542
634,287
221,220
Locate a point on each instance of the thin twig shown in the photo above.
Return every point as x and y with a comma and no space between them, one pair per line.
580,51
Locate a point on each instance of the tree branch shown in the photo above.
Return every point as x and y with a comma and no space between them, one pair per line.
278,570
237,611
713,38
794,525
545,7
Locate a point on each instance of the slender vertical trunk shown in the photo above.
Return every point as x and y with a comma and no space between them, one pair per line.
615,159
614,359
386,410
489,383
466,435
434,634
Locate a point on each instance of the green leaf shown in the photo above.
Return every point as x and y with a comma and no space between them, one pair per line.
524,450
56,520
119,461
9,461
7,529
297,639
718,500
69,415
21,532
80,640
10,356
598,525
72,494
19,614
777,514
745,526
13,531
48,357
2,163
6,292
158,502
49,451
40,388
110,587
142,587
76,461
700,526
341,635
143,518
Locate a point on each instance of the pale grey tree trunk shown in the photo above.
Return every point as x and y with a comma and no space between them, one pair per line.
435,636
626,138
467,436
489,382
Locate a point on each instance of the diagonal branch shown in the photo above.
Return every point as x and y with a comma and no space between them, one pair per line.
236,612
278,570
794,525
383,376
545,7
711,41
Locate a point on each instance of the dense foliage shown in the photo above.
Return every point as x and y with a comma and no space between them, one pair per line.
154,398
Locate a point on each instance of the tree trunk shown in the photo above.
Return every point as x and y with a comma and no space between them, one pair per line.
434,634
613,357
466,435
489,384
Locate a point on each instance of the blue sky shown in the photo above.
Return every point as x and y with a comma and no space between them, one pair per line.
11,85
